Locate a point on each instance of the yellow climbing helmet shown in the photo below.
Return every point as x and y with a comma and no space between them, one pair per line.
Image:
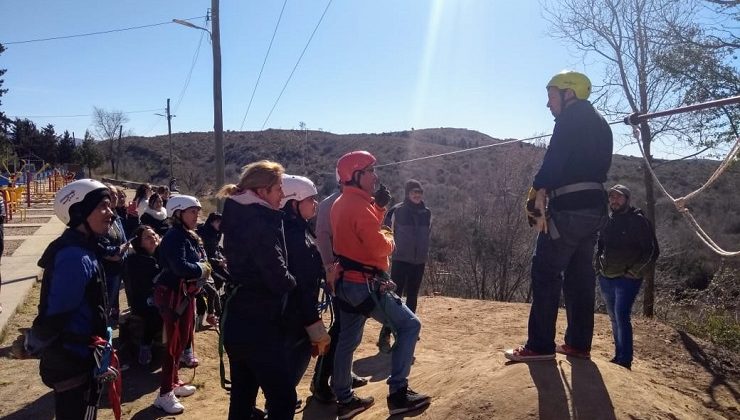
568,79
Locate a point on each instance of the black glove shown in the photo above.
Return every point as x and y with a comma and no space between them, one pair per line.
382,196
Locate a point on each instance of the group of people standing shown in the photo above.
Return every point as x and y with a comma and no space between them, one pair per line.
273,268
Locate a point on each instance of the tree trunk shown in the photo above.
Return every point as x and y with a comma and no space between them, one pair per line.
648,298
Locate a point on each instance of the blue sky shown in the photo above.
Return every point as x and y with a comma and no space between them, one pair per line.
372,66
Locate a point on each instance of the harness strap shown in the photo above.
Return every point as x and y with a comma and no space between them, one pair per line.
571,188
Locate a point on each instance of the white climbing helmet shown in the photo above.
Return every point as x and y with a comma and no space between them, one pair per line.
76,192
181,202
297,188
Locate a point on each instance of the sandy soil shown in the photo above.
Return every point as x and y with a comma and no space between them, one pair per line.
459,361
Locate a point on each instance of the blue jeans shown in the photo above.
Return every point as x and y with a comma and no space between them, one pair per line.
620,294
390,309
565,264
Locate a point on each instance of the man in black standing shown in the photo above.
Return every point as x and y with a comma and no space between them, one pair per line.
569,207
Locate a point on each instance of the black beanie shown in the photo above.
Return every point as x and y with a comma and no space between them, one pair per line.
79,212
411,185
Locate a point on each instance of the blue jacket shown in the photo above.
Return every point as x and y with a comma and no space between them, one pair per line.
580,150
304,263
179,255
254,246
73,304
412,228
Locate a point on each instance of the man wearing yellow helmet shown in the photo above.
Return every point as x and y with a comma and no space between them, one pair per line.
570,206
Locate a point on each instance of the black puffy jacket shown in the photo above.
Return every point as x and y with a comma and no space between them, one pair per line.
254,246
626,245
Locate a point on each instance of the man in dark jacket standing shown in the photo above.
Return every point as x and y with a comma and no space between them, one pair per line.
411,222
569,209
626,247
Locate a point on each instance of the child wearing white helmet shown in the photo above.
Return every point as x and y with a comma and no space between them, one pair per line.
306,333
74,307
184,271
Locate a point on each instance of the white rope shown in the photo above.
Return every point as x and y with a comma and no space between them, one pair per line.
680,202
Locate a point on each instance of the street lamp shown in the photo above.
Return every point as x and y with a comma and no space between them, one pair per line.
218,121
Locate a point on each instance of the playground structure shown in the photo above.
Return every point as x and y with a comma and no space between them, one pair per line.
28,187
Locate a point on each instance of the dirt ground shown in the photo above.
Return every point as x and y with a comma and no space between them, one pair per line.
460,362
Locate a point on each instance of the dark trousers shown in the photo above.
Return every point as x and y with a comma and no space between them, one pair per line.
152,323
208,301
325,363
407,277
263,364
71,404
565,263
619,294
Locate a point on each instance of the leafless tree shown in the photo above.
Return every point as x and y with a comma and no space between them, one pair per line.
628,37
107,125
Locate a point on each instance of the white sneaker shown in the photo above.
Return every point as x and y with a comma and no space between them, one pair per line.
184,390
169,403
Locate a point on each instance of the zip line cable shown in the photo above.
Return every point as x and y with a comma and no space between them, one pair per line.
94,33
190,73
296,64
274,32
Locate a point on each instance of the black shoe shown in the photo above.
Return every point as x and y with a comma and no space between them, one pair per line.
358,381
627,365
353,407
323,393
405,400
257,414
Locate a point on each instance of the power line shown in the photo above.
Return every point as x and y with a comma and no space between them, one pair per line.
263,64
296,64
80,115
190,73
94,33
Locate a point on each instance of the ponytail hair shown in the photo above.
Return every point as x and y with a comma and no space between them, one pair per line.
256,175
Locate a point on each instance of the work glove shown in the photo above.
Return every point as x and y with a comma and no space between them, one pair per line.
529,209
382,196
540,206
205,269
320,339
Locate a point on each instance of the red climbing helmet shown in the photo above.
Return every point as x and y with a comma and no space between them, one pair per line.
351,162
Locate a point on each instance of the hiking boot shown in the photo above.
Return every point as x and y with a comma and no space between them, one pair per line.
145,355
353,407
323,393
184,390
627,365
188,359
405,400
523,354
257,414
384,343
169,403
572,351
358,381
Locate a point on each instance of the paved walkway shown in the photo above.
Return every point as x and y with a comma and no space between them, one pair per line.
19,271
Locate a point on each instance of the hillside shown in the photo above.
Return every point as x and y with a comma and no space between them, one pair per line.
459,361
476,196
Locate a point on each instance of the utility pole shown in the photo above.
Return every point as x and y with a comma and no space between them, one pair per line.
218,122
169,133
120,156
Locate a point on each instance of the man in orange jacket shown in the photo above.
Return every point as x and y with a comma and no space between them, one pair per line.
363,288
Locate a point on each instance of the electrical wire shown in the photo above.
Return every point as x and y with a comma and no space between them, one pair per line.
80,115
190,73
296,64
263,64
95,33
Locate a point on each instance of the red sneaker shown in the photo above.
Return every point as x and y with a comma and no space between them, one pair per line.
523,354
572,351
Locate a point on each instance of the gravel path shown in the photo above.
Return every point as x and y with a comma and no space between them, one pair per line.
20,230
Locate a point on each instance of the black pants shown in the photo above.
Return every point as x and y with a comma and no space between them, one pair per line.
408,278
152,323
264,364
208,301
325,363
71,404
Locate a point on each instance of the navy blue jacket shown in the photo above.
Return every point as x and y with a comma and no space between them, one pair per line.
179,254
254,246
73,304
580,150
139,273
304,263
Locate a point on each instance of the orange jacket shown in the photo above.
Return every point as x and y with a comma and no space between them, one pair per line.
356,230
